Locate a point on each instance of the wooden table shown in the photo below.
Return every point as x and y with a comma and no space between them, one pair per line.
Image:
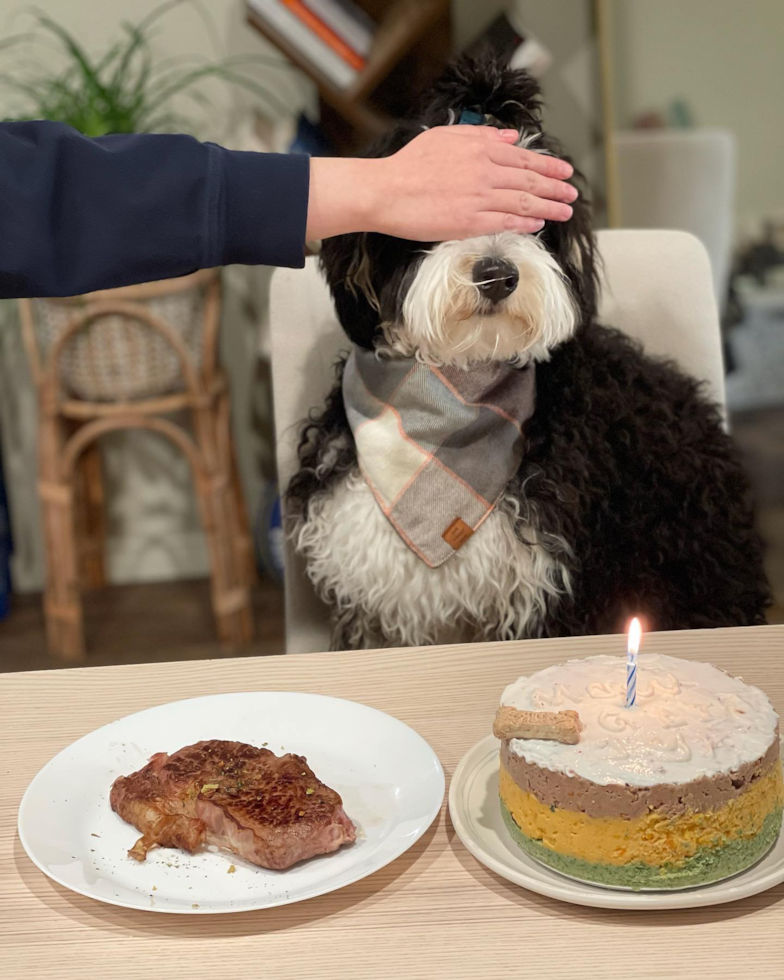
433,913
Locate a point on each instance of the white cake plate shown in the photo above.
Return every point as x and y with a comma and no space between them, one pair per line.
476,816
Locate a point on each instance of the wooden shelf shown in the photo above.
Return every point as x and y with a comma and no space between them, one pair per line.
403,26
355,112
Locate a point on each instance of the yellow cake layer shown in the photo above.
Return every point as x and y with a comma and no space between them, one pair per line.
653,839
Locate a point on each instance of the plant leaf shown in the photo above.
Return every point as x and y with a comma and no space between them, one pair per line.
74,49
125,89
220,71
8,42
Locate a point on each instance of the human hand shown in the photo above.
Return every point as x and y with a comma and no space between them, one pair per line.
461,181
449,182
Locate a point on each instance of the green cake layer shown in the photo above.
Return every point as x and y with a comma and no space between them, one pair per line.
707,865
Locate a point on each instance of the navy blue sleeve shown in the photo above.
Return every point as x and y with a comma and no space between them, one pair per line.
79,214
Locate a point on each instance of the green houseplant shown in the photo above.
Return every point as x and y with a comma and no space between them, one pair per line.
125,89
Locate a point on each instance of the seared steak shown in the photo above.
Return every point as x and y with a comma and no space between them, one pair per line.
271,810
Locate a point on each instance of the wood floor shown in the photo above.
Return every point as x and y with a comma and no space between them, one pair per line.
143,623
140,624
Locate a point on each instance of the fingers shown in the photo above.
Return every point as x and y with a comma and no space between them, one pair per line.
541,163
527,205
480,132
527,181
493,222
502,151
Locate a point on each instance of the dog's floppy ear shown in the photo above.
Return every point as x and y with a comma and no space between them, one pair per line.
345,261
349,262
573,245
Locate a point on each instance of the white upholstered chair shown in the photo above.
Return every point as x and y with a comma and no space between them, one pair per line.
657,287
683,179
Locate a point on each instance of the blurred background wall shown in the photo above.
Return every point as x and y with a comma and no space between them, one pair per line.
724,60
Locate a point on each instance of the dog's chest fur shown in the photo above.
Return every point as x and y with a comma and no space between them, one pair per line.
500,584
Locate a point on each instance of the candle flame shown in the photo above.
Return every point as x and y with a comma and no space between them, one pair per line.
635,635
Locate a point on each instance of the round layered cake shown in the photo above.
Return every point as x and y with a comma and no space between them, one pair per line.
682,789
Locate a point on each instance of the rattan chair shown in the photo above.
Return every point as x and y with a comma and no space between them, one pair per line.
128,359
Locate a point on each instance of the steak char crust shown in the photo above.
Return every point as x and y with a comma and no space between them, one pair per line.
271,810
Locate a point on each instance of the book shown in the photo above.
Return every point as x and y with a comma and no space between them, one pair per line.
348,20
288,26
327,35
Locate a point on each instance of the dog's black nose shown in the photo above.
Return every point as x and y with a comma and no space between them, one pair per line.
495,278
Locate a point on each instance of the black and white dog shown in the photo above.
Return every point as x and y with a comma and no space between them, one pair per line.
630,498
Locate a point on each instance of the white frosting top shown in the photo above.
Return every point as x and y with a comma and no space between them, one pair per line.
690,720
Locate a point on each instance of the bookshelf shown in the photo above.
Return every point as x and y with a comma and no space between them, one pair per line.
410,47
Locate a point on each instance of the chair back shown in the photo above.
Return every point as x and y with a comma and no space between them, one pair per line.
681,179
129,344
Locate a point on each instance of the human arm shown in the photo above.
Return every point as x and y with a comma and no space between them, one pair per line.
79,214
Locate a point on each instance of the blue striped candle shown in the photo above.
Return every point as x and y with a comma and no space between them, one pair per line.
632,648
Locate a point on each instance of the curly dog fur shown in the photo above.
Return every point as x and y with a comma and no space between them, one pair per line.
631,498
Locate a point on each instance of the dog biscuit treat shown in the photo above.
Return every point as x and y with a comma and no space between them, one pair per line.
562,726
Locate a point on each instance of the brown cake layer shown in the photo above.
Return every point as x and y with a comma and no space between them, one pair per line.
580,794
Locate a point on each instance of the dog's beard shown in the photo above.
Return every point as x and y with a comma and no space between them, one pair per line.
446,320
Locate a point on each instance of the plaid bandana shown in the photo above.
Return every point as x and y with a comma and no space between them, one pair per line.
437,446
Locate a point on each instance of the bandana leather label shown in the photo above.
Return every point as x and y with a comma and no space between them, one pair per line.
437,446
457,534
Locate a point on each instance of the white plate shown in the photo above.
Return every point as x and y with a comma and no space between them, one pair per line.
476,816
390,779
